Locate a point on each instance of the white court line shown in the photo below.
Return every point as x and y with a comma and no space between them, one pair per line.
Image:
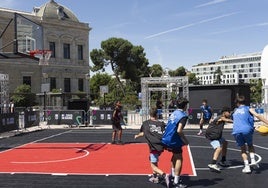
55,161
230,167
257,146
42,139
75,174
191,161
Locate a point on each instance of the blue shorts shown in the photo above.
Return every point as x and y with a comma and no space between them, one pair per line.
154,157
217,143
242,139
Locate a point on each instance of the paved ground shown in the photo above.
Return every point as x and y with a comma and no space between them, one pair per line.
200,149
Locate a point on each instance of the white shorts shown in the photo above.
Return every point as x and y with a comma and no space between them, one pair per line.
217,143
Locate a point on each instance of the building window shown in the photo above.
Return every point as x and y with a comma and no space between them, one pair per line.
53,83
80,84
52,48
80,52
67,85
27,80
66,51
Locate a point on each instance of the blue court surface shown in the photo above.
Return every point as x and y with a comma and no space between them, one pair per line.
201,153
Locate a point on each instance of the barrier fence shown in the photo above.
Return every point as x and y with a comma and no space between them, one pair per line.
69,117
26,119
22,120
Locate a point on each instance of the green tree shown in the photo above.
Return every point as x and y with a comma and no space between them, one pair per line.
97,80
256,90
23,97
125,60
217,75
193,79
181,71
156,70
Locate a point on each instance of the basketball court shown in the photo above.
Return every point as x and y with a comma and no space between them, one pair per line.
84,157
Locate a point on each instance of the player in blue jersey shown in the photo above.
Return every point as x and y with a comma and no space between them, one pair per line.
243,129
206,115
174,138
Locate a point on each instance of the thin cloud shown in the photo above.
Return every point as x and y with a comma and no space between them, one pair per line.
210,3
262,24
190,25
240,28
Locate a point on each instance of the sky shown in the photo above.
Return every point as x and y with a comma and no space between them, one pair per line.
173,33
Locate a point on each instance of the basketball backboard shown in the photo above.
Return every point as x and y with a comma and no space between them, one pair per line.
21,35
29,35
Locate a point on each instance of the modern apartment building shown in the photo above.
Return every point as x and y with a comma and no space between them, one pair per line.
231,69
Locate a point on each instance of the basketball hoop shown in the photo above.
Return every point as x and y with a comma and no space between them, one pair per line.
42,55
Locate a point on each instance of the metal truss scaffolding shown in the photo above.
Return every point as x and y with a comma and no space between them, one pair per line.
165,85
4,96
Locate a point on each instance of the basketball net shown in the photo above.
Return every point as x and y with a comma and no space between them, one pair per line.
42,55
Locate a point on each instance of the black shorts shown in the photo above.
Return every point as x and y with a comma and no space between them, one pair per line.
116,126
174,150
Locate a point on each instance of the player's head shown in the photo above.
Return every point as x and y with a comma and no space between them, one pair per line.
118,105
204,102
226,111
240,100
182,103
153,112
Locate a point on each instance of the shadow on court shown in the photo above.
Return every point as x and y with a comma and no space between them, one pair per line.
199,147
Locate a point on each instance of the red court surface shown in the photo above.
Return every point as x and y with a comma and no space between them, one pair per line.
86,159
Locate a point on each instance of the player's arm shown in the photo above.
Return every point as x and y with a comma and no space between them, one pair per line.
202,115
139,135
114,113
211,112
258,116
180,131
227,120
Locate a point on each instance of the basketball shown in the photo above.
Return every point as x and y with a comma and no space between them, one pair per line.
263,130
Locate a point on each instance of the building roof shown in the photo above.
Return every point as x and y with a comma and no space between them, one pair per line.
53,10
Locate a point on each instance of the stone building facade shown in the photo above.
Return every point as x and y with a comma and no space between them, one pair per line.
64,35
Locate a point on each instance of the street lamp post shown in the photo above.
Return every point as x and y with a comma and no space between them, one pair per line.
45,87
88,97
87,85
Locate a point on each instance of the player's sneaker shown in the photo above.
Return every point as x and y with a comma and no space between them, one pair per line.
167,180
224,164
120,142
255,165
200,133
113,142
246,169
214,167
164,179
179,185
154,178
171,178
